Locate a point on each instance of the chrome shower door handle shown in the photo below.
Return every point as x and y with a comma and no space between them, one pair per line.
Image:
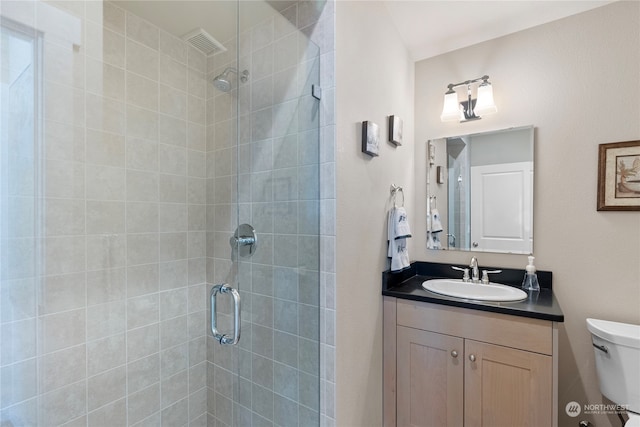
222,338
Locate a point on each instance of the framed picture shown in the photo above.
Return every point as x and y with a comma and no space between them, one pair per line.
370,138
395,130
619,176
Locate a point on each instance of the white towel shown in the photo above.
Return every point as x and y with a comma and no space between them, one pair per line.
402,229
436,224
391,231
434,227
398,244
400,258
430,240
433,240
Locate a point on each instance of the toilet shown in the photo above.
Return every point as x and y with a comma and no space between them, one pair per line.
617,350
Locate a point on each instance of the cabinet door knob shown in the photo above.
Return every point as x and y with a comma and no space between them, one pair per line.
472,357
454,353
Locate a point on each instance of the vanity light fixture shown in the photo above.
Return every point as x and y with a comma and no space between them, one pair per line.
470,109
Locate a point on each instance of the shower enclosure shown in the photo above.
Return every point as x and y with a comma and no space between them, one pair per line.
124,175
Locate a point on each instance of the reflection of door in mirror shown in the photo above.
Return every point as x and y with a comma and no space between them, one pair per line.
500,223
487,202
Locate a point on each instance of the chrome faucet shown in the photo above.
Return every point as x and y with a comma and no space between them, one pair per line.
475,273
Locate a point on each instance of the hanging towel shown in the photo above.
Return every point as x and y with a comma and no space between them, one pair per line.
436,224
398,244
391,232
434,227
433,240
400,258
402,230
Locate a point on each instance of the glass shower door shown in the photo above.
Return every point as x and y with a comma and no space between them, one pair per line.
125,169
271,377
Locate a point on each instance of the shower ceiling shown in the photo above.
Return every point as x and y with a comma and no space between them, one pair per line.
179,17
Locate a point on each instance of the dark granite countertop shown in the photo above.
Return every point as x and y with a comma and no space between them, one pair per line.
407,284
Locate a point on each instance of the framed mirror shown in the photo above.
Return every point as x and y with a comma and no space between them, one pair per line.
480,192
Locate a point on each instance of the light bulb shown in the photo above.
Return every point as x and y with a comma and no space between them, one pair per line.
451,108
484,102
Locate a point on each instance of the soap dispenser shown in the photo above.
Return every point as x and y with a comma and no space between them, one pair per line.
530,282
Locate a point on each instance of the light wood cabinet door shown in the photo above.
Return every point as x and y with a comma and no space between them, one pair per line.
430,378
505,387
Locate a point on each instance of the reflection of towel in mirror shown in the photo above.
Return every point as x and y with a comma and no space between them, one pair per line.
434,227
436,224
397,223
433,240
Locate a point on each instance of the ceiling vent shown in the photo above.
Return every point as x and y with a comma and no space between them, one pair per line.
203,41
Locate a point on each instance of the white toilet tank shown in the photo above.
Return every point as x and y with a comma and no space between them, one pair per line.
619,366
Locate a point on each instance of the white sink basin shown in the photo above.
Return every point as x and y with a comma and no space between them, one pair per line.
475,291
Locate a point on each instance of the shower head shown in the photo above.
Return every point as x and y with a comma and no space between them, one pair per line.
222,82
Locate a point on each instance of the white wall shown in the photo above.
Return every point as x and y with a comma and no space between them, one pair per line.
375,75
577,81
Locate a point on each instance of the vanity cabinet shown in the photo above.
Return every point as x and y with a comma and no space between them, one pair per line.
450,366
430,378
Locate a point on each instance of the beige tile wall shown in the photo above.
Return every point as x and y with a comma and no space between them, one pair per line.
109,328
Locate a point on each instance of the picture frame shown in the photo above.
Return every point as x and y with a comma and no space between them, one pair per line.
619,176
395,130
370,138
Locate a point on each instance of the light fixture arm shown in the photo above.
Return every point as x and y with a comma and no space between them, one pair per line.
484,78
